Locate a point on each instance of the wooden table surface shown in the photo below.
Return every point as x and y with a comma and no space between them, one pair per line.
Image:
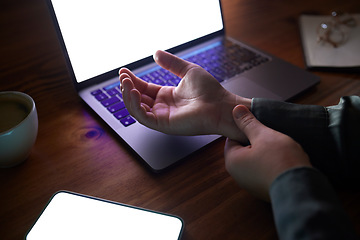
76,151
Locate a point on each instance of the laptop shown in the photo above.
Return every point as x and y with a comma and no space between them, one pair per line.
99,37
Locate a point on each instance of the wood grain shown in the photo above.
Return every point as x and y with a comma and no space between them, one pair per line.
76,151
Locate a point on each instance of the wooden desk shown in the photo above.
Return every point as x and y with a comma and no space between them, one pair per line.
76,151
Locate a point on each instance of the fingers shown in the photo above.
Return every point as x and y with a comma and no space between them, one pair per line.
174,64
139,84
247,123
138,96
135,104
131,95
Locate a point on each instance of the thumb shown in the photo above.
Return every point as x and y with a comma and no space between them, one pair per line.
247,122
174,64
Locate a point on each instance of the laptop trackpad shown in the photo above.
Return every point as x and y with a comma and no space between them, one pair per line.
246,88
161,150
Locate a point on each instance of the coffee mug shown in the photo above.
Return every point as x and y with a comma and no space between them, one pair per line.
18,127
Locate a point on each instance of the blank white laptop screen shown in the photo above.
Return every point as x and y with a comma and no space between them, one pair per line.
103,35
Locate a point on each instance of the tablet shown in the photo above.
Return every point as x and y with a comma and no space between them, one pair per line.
71,215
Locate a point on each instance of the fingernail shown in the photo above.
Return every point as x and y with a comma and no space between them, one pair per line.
155,56
239,111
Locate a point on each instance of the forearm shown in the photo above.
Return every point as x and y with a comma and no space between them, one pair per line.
328,135
305,207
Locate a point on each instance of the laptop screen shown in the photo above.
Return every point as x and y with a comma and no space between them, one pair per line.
102,35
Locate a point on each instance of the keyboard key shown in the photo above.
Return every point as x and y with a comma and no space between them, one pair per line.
116,107
96,92
146,78
163,72
155,74
109,101
101,96
158,81
112,91
127,121
121,114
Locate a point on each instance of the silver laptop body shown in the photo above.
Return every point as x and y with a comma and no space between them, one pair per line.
78,21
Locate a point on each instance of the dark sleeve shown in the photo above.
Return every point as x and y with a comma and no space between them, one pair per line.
329,135
305,207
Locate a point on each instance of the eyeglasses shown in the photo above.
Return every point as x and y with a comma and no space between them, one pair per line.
335,31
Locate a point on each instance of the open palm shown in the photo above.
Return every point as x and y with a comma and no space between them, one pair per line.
198,105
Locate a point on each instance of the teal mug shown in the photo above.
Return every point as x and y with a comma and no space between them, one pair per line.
18,127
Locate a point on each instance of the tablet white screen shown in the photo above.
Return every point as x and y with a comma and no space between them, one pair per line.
71,216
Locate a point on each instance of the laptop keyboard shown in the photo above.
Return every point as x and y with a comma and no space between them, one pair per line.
111,98
223,60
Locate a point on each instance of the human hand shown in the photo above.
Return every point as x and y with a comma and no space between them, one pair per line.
198,105
269,154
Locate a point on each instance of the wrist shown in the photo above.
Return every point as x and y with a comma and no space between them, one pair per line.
243,101
227,126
